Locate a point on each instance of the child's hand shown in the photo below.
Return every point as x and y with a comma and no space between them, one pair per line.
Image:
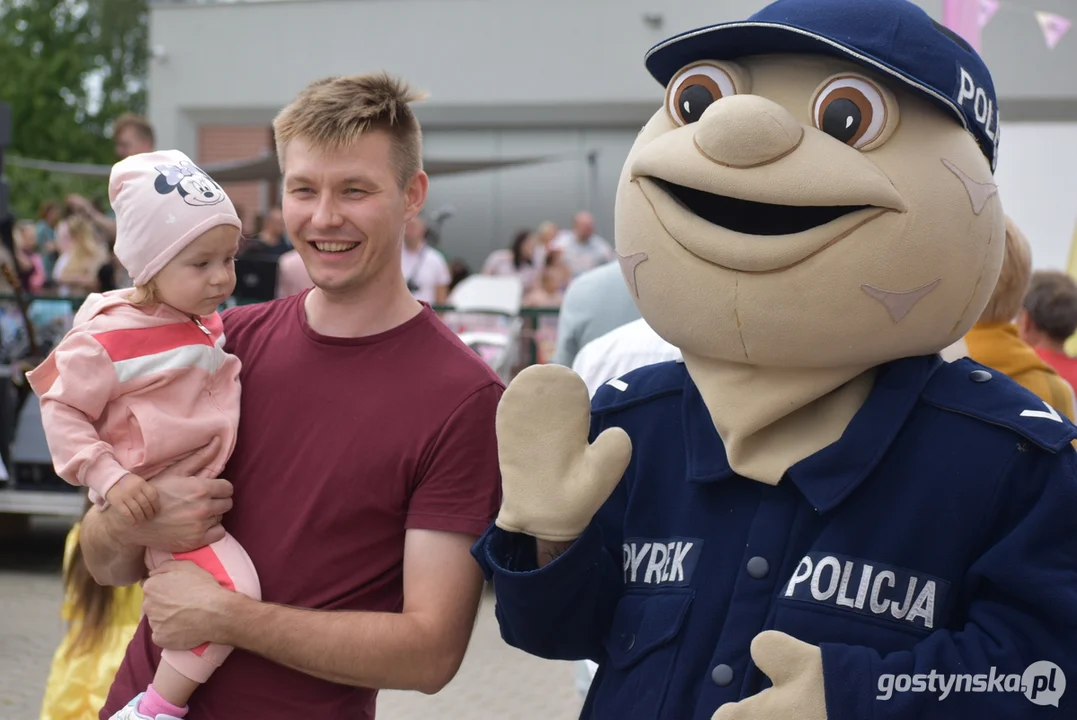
134,498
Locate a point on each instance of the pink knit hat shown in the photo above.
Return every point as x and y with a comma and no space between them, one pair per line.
163,202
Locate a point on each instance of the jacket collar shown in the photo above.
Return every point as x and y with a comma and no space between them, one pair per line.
830,475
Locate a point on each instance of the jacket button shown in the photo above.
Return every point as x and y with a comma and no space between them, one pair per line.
722,675
980,376
758,567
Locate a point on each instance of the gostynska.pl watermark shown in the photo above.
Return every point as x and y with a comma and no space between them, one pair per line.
1042,683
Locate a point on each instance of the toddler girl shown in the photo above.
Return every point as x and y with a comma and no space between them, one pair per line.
142,379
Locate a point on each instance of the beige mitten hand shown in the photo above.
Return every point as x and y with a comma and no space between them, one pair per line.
796,670
553,481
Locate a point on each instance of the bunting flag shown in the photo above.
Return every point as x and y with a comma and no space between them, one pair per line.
1053,27
965,17
968,18
987,10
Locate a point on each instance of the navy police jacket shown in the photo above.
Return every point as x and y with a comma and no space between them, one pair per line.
931,553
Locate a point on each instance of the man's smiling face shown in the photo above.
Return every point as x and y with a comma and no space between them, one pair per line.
794,210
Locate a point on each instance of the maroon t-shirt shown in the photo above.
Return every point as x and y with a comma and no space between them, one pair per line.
343,445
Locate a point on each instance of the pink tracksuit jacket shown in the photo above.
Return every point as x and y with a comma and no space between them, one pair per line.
134,389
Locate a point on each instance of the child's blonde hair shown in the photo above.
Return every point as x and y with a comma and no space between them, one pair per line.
145,295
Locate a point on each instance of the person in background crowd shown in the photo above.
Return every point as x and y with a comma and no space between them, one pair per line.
995,342
621,350
583,250
30,266
549,290
132,134
48,217
425,270
292,275
112,275
514,261
7,250
1048,318
459,271
76,269
595,303
270,241
251,221
544,236
100,622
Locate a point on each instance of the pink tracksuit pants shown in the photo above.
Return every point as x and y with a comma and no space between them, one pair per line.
229,564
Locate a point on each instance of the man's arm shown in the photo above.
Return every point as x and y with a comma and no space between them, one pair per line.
191,508
420,648
546,552
110,559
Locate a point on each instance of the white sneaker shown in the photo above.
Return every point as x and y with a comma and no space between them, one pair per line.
130,712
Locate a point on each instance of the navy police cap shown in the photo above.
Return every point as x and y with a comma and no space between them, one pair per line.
892,37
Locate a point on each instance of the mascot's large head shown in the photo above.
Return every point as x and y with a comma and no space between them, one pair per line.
817,189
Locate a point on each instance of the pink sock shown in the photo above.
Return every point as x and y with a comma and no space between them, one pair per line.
152,705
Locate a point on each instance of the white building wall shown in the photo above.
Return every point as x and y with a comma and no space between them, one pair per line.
512,78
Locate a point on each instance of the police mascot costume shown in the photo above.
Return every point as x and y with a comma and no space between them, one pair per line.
813,516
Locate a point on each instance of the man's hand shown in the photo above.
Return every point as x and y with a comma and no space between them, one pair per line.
190,512
80,204
134,498
104,223
796,669
184,605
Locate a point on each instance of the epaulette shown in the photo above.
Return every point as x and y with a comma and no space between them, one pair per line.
639,386
985,394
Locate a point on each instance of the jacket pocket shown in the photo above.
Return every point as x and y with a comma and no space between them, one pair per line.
136,441
641,649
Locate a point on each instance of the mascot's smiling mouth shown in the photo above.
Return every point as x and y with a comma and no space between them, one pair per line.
750,217
756,236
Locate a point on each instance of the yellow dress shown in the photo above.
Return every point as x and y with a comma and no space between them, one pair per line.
78,686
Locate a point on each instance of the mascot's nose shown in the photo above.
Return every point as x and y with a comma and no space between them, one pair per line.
744,131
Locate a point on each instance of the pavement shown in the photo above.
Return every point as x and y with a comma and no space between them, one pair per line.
495,682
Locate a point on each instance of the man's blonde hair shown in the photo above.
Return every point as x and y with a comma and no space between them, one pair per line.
334,112
1013,280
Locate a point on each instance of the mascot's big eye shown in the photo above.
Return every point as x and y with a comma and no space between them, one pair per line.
695,88
853,110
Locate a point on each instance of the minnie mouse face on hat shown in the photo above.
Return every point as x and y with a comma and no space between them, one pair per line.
190,182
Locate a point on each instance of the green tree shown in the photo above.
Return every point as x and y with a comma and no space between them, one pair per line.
69,68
